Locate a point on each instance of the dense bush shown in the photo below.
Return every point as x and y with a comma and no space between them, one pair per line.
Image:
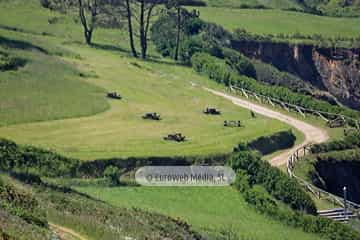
340,156
269,144
268,74
10,63
21,204
217,70
350,141
35,160
273,180
164,32
196,35
239,63
112,174
255,195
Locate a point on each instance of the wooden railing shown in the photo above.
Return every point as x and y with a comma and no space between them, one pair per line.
304,150
317,192
326,116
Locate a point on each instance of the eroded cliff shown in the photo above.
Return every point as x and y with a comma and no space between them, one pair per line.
334,70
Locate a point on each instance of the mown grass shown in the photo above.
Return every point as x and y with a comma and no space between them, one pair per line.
281,22
146,87
46,88
157,85
208,210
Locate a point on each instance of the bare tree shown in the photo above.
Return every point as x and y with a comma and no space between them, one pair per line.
142,11
130,27
88,11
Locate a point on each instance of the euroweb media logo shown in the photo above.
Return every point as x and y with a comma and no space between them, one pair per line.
185,176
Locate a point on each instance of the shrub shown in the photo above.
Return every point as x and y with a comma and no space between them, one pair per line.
269,144
239,63
35,160
112,174
350,141
21,204
273,180
45,3
260,199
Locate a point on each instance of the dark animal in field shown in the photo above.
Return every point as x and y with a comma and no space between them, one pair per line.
177,137
152,116
232,123
114,95
212,111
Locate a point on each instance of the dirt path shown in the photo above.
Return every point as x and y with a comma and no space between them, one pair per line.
66,233
312,133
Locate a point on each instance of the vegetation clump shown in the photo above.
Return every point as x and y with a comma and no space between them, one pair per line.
8,63
256,179
269,144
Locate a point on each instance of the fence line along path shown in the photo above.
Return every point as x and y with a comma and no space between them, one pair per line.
313,134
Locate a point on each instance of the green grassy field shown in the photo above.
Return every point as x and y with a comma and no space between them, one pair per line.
207,209
277,22
52,89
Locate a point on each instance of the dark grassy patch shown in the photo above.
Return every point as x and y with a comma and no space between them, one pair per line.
10,63
18,44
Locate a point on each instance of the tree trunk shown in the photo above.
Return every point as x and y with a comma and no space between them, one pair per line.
88,36
142,30
178,34
131,35
88,30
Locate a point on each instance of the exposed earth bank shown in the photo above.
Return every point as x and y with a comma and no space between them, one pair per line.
336,70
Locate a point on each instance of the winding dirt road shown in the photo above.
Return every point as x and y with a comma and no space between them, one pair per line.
312,133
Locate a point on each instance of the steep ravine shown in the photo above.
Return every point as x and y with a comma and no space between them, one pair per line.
335,175
336,71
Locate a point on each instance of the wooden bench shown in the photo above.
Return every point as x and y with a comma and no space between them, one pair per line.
232,123
212,111
152,116
177,137
114,95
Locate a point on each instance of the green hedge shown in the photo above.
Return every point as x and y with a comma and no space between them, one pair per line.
350,141
50,164
220,72
35,160
273,180
269,144
340,156
255,175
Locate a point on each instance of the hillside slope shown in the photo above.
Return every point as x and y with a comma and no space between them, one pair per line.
157,85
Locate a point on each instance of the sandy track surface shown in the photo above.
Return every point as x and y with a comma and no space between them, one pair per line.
313,134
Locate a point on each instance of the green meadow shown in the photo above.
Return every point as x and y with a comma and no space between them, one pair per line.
58,100
272,21
208,210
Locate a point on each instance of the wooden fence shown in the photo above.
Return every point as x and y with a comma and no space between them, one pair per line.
317,192
304,150
326,116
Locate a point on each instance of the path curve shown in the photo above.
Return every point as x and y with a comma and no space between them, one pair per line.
312,133
62,231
